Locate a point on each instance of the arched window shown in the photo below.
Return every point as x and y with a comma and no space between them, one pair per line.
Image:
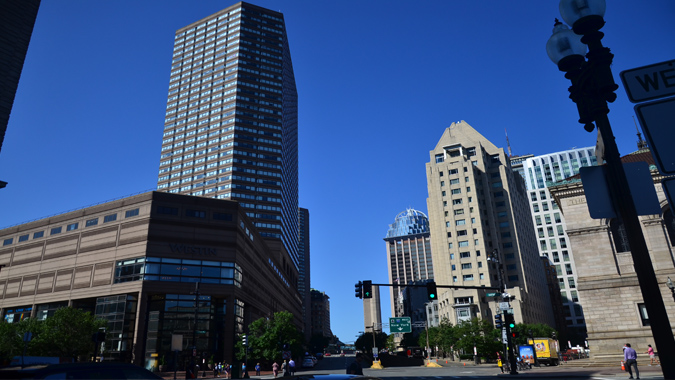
669,221
619,235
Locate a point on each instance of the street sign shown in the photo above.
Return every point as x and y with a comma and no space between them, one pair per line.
491,294
504,306
400,325
656,119
649,82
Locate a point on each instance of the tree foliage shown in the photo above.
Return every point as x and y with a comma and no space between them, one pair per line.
266,337
365,341
65,334
536,330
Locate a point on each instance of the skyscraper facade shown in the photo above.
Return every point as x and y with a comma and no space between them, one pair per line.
478,210
540,172
304,274
231,128
408,254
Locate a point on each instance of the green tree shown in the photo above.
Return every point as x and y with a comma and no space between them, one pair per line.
538,330
266,337
67,333
479,333
365,341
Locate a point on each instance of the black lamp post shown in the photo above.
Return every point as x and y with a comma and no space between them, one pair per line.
592,88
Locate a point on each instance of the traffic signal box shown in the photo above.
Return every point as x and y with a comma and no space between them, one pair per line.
358,290
244,340
431,291
367,289
498,321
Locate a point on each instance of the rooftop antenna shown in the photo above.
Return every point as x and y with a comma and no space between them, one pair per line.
507,142
642,144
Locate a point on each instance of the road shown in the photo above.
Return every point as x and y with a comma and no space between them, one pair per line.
455,370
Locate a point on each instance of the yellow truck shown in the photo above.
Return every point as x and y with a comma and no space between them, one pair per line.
546,350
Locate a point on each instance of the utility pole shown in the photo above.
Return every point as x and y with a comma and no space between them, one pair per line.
509,350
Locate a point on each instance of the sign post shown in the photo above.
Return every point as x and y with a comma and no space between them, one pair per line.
400,325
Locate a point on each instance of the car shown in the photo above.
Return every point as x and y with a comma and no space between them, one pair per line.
319,355
79,371
307,362
327,354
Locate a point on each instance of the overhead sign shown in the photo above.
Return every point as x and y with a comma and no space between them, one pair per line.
400,325
656,119
649,82
491,294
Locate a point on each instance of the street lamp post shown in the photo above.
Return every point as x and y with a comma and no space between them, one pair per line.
592,88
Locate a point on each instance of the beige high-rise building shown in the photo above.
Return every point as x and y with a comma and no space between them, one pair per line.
477,209
372,313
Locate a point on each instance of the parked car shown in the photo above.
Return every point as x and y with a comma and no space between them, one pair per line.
319,355
79,371
327,354
307,362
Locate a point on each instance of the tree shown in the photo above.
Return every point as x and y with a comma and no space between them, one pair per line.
479,333
539,330
267,336
365,341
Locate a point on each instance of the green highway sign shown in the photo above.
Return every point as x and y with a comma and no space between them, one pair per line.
491,294
400,325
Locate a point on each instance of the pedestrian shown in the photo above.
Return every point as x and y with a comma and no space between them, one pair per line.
291,367
630,358
652,355
226,368
275,369
243,370
215,370
355,367
284,368
257,369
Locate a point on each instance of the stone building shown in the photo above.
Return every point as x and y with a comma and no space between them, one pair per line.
607,284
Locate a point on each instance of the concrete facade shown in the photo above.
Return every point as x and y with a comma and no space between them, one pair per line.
609,292
477,207
135,262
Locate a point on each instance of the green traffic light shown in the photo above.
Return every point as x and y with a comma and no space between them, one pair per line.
512,325
432,296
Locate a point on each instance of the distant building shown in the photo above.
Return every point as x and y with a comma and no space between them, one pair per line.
478,207
540,172
556,297
372,314
408,255
135,262
609,293
304,272
320,313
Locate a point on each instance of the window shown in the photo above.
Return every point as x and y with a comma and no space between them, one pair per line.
452,256
23,238
454,267
450,245
91,222
7,241
459,212
538,220
110,218
456,191
38,234
464,243
449,234
466,266
535,207
439,158
442,182
460,222
442,193
571,283
619,236
131,213
71,227
55,230
195,213
464,255
453,171
454,278
462,233
561,283
456,201
513,278
222,216
167,210
467,277
643,314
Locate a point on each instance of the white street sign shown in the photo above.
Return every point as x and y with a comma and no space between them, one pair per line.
649,82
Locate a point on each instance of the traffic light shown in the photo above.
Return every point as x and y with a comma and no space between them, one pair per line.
498,321
358,290
244,340
510,321
431,291
367,289
514,334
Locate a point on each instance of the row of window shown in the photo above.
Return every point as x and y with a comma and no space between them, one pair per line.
166,210
72,226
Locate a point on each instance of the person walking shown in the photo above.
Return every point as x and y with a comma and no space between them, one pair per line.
630,358
291,366
652,355
257,369
284,368
275,369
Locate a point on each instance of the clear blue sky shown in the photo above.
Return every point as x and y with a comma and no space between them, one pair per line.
378,82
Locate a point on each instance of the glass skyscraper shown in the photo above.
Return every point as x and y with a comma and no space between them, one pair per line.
231,129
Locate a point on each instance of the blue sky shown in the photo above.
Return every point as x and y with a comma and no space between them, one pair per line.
378,82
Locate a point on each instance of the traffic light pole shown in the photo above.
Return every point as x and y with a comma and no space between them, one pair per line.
510,343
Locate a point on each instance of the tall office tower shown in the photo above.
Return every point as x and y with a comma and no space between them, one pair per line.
540,172
231,129
409,254
477,209
372,314
17,19
304,274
